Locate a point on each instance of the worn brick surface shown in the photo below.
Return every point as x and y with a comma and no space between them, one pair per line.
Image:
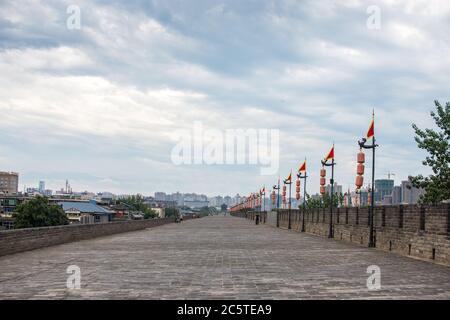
217,257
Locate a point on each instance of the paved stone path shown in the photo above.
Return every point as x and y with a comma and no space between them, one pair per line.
217,258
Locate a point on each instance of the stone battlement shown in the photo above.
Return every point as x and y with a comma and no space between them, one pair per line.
410,230
14,241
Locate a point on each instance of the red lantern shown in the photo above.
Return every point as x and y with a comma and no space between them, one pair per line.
323,172
297,196
359,182
322,181
361,157
297,183
322,189
360,169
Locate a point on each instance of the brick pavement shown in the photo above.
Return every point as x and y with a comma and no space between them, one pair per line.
217,258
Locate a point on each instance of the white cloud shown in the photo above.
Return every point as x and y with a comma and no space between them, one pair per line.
101,103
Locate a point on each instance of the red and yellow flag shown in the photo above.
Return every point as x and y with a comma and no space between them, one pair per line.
289,178
330,154
302,167
371,131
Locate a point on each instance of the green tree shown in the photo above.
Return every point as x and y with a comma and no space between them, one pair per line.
437,144
136,202
38,212
171,212
324,201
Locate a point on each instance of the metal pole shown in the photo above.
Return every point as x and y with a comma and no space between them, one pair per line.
330,234
278,194
372,200
264,204
304,203
289,226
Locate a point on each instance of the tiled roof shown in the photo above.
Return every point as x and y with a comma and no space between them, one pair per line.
86,207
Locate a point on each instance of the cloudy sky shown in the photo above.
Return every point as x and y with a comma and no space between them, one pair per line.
99,105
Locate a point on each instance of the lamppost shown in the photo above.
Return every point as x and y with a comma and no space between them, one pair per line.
277,187
288,181
332,164
263,195
362,144
304,176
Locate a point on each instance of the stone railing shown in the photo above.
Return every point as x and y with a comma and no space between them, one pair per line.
410,230
14,241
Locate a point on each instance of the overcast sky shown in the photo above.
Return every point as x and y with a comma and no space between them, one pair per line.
98,105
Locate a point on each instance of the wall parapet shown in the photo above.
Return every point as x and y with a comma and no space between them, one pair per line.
410,230
19,240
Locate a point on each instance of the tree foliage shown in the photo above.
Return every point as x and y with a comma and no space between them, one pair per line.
38,212
136,202
324,201
437,144
171,212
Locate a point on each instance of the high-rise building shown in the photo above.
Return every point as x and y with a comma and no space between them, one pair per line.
42,187
383,187
396,195
410,194
336,189
160,196
9,182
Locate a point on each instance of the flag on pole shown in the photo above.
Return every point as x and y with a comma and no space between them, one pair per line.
330,154
289,178
302,167
371,131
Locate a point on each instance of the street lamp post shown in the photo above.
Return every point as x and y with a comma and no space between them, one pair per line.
277,187
300,176
289,182
362,144
332,164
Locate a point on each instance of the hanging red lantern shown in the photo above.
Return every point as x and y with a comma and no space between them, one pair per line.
360,169
323,172
322,181
359,182
297,196
361,157
322,189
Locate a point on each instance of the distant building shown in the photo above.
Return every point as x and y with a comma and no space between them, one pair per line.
383,187
85,212
160,196
42,187
336,189
396,196
9,182
410,194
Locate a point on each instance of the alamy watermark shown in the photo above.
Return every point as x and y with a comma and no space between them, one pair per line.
374,280
74,278
73,21
228,147
374,20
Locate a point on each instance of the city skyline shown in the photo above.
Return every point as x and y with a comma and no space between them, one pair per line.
98,104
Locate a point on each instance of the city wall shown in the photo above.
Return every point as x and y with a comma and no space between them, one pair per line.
410,230
14,241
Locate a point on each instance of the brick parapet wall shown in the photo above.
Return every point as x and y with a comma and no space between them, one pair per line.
411,230
14,241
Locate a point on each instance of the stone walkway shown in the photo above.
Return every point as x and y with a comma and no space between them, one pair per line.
217,258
